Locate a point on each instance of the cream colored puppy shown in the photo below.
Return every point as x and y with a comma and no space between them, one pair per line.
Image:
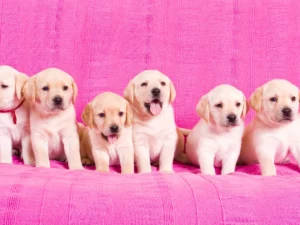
108,139
151,94
216,139
14,116
52,94
275,128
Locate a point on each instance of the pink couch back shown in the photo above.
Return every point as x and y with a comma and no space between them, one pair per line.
199,44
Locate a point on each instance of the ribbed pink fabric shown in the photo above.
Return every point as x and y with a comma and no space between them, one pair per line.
199,44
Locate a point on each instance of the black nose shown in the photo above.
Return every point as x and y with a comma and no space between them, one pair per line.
57,100
286,111
231,118
114,128
155,92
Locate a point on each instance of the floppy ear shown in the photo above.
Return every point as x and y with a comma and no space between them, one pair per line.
87,115
256,98
245,108
129,92
29,90
203,108
21,79
172,92
129,115
75,91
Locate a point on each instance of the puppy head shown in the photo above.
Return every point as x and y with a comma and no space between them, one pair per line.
224,106
150,92
108,114
276,102
11,84
51,91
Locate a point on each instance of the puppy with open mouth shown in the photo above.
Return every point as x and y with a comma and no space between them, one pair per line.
216,139
273,133
14,116
108,139
52,93
155,137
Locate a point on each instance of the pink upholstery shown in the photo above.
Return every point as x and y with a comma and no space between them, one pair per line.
199,44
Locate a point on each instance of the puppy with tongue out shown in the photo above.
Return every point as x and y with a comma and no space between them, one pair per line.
108,138
151,94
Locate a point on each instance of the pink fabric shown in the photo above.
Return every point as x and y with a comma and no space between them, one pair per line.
199,44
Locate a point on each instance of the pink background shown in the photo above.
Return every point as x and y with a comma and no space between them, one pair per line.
199,44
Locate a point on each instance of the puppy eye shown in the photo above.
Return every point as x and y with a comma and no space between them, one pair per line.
220,105
293,98
46,88
163,83
144,84
65,88
121,113
4,86
102,115
238,104
273,99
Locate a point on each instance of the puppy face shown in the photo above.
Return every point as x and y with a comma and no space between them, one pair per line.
277,101
150,92
224,106
11,84
51,90
108,113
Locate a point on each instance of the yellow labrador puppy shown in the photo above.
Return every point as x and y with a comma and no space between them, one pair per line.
108,139
275,128
14,116
216,139
53,126
155,137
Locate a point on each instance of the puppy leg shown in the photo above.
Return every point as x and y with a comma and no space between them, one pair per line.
5,149
72,150
229,163
167,156
27,153
265,152
142,158
40,150
126,157
206,162
101,159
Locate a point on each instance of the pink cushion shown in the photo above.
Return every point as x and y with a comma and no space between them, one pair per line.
199,44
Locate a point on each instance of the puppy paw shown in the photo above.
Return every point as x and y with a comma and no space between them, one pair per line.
166,171
87,161
103,170
29,162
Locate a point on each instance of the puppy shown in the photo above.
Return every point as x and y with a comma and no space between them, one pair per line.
274,130
155,135
216,139
52,94
108,139
14,116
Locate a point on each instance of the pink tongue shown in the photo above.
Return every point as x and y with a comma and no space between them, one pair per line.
112,139
155,108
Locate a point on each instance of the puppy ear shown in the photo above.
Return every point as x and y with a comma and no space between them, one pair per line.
29,90
129,115
75,91
172,92
245,108
87,115
21,79
203,108
256,98
129,92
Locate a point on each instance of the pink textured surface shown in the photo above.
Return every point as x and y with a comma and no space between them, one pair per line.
199,44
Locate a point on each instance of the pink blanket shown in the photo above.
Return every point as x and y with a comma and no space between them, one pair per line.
199,44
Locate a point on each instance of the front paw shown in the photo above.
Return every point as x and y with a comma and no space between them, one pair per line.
166,171
77,167
29,162
86,161
103,170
